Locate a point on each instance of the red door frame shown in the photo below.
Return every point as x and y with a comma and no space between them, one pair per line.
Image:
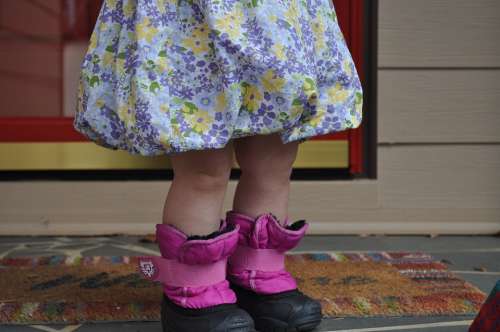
350,14
60,129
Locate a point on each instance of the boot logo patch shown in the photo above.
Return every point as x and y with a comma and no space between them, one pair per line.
147,268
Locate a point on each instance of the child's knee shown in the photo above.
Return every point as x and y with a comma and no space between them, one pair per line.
208,174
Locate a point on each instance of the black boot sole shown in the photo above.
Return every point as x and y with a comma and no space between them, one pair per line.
271,313
267,324
220,318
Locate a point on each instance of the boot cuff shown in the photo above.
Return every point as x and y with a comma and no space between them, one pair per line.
204,249
265,232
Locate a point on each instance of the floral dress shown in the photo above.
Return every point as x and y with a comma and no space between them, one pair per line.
167,76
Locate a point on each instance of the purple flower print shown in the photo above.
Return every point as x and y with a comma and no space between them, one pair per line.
142,116
152,75
184,126
206,138
105,77
213,67
280,100
228,45
198,78
131,64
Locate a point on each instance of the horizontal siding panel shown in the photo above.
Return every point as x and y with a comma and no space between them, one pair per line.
439,176
331,207
112,197
439,33
419,106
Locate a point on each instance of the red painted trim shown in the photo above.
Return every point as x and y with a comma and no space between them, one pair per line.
36,129
356,47
60,53
340,136
60,129
342,9
350,18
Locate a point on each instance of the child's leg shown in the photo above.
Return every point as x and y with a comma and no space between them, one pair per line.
266,165
195,198
263,286
195,247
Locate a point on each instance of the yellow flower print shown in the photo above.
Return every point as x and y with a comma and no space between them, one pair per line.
346,65
251,97
160,4
319,33
198,41
296,110
309,85
120,65
221,101
198,119
279,51
164,108
92,41
94,37
231,22
144,31
176,130
108,58
165,140
163,65
310,89
99,103
124,115
337,93
272,83
292,16
129,7
318,117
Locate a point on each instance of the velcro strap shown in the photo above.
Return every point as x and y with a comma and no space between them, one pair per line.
257,259
173,273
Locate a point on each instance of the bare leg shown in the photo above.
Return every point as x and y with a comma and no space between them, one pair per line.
266,165
195,198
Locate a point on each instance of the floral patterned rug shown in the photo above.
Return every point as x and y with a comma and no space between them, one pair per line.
78,289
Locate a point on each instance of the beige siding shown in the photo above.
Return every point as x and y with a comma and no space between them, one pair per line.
439,114
134,207
440,176
452,106
439,33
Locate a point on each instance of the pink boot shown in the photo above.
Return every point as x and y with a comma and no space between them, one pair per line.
192,270
256,271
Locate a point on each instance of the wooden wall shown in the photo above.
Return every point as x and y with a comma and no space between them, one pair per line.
439,108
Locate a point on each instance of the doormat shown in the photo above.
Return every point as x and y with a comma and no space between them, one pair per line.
65,289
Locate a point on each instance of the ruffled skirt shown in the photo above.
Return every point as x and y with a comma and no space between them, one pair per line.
166,76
